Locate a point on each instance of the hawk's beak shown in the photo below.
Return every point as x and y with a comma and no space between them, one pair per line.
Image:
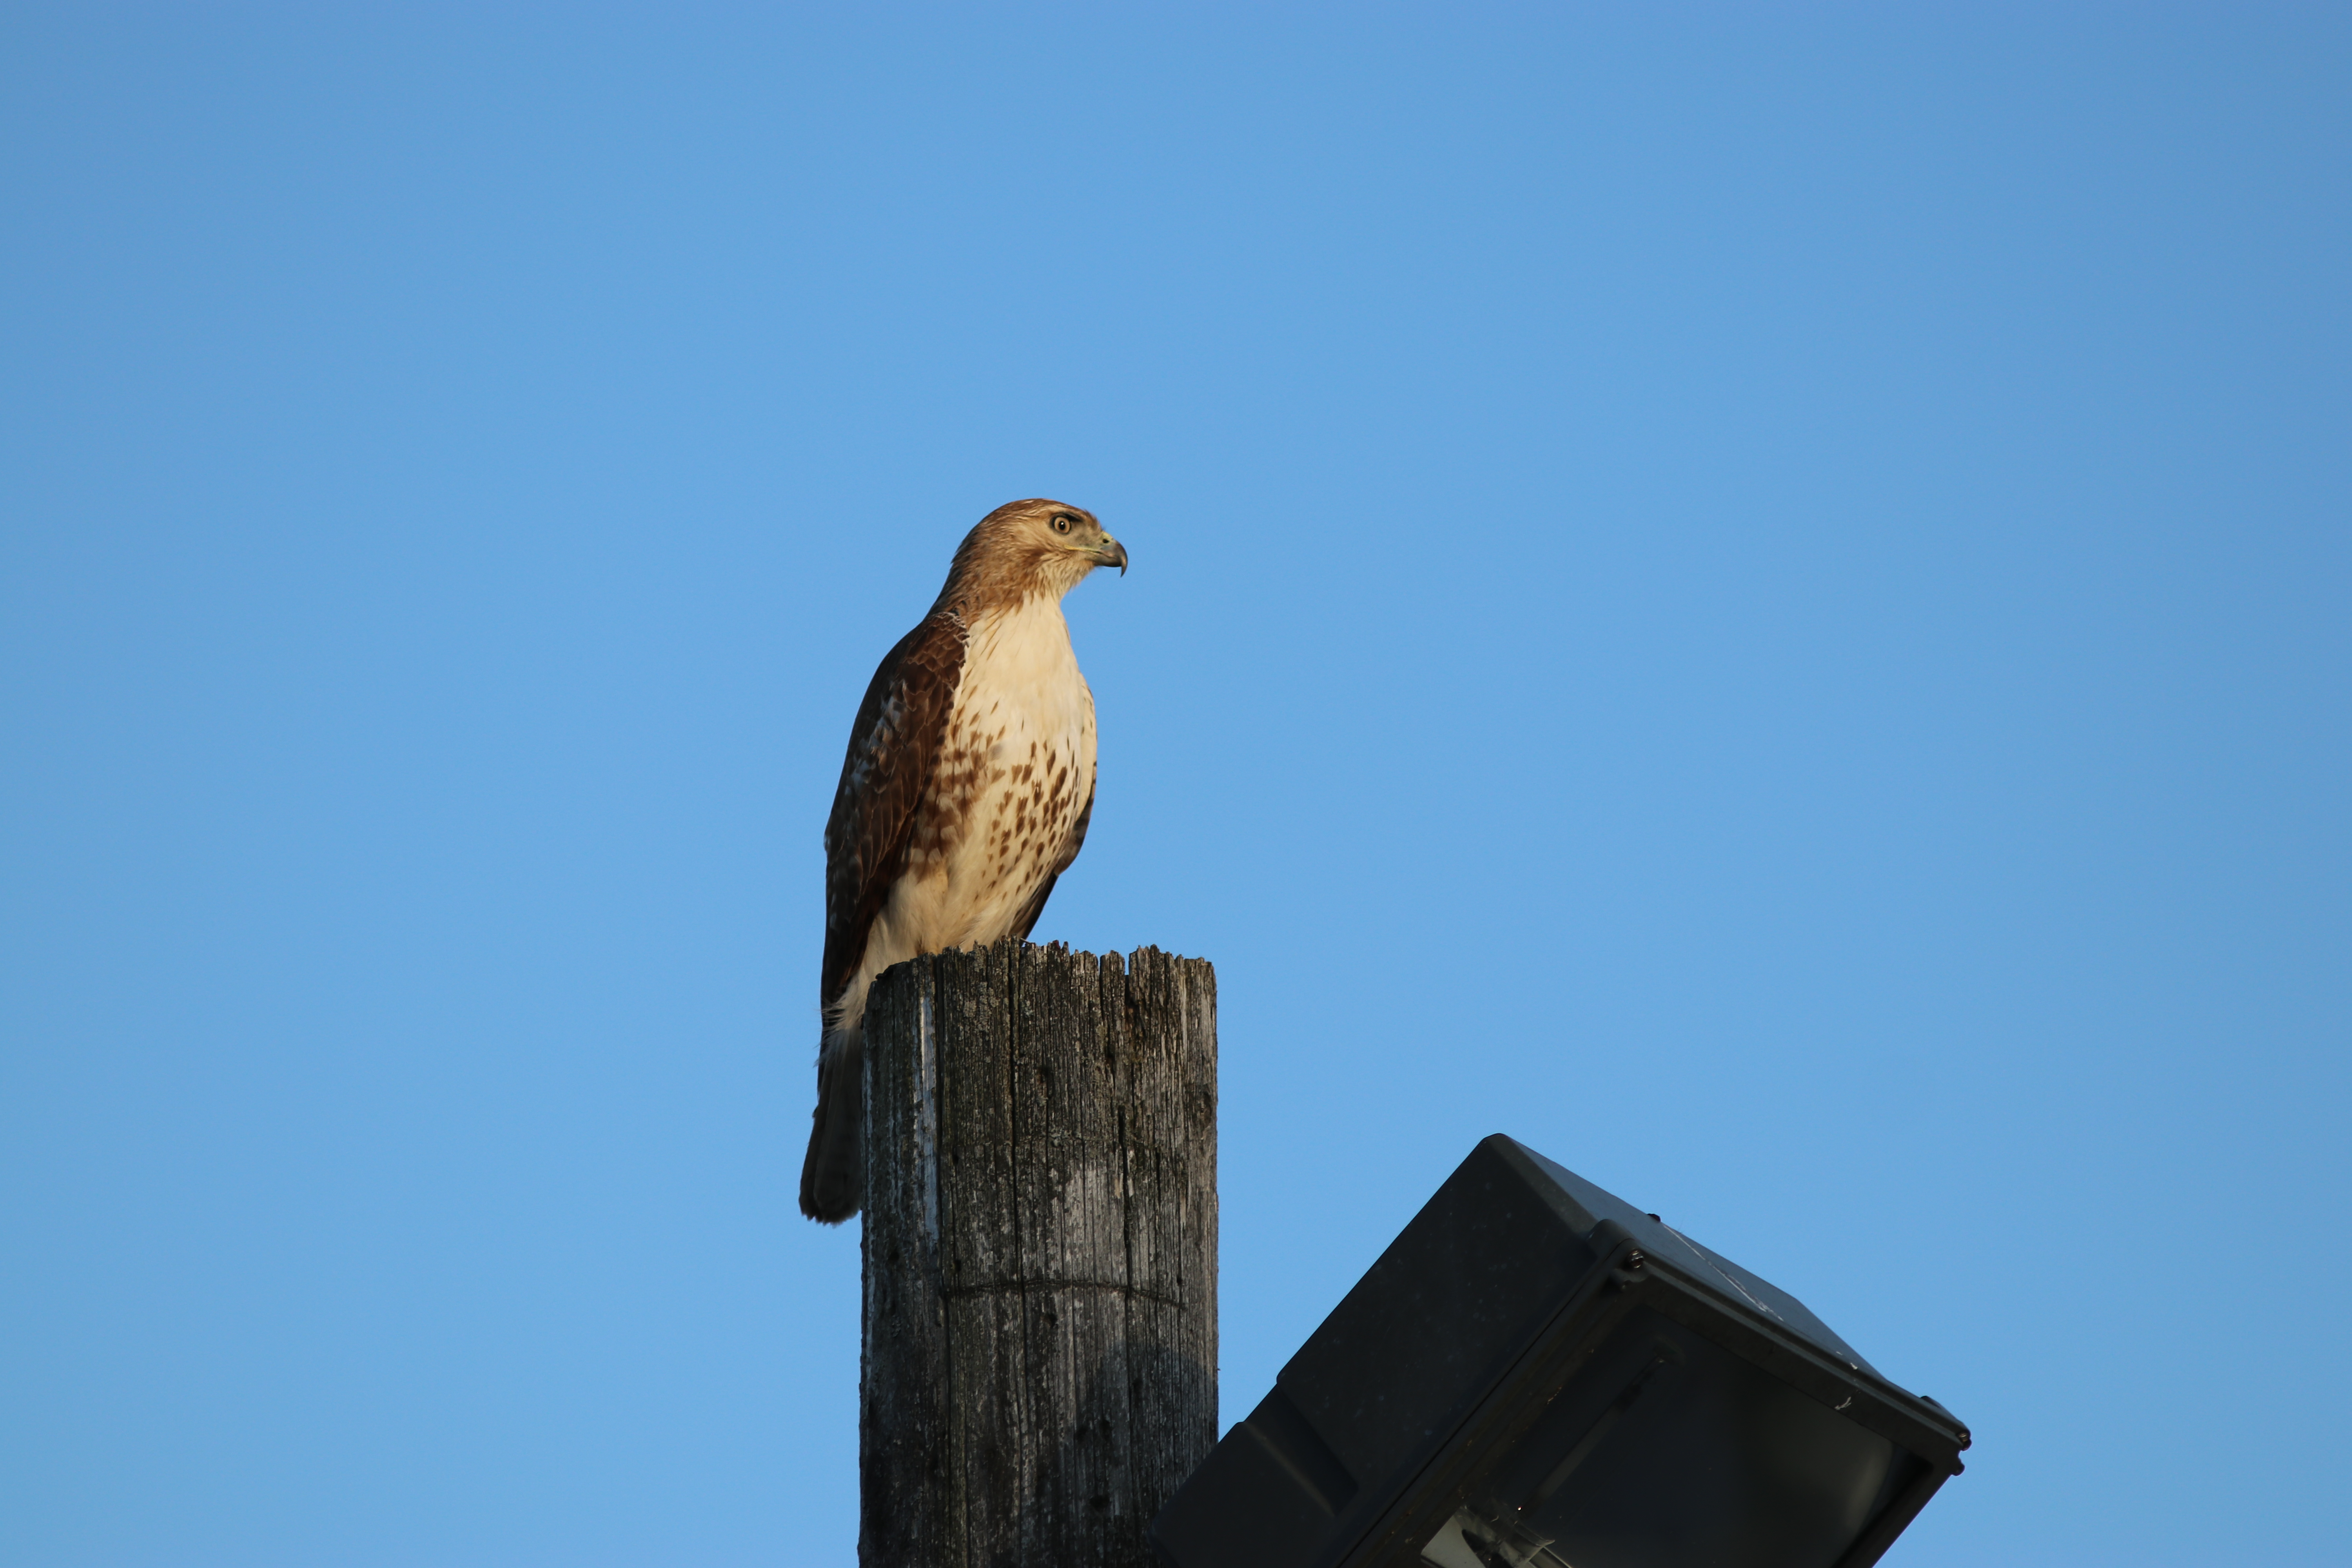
1111,553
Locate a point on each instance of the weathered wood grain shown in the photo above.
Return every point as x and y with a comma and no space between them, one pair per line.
1040,1248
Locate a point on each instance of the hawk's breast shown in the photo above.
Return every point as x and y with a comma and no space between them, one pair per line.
1015,770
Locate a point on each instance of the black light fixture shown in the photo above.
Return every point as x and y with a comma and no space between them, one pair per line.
1536,1374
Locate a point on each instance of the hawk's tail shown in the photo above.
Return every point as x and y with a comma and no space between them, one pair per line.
833,1177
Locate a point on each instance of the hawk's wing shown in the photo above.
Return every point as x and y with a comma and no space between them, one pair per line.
893,747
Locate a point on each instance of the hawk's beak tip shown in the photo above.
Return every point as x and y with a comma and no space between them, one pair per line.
1116,556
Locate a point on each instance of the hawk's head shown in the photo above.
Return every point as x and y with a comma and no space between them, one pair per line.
1026,548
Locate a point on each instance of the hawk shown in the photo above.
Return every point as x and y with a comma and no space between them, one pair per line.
966,791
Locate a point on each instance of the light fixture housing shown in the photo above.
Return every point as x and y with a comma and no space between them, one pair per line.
1536,1374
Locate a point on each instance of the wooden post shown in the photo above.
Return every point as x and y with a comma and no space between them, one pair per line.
1040,1253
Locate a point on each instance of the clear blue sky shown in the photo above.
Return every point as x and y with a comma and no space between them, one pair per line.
1761,600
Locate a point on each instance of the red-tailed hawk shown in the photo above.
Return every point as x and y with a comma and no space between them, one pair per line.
969,778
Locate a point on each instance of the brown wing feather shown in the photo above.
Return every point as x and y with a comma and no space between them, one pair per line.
893,747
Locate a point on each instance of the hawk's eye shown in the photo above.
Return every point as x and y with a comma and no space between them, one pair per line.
1063,521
